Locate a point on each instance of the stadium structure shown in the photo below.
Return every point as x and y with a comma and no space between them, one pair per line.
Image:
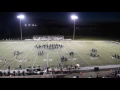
40,53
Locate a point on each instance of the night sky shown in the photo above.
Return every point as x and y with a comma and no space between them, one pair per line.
83,16
9,24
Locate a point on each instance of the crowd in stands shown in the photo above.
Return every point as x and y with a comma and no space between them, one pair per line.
49,38
115,74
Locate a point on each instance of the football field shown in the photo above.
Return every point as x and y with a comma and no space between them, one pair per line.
50,58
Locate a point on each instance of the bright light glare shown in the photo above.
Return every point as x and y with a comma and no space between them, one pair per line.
32,24
29,24
25,24
21,16
74,17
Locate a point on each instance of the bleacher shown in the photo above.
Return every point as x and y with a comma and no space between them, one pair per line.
48,37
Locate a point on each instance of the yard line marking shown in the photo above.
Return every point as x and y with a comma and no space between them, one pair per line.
68,52
73,62
92,47
78,54
114,49
7,63
27,53
11,51
47,59
99,51
35,60
10,60
58,55
4,46
6,49
36,55
105,53
47,53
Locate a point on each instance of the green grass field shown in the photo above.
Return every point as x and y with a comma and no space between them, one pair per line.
81,49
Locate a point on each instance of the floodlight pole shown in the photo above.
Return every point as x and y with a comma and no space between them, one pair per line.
21,29
74,30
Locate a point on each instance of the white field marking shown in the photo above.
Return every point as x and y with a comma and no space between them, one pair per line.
36,55
27,53
79,55
35,60
11,59
71,60
47,60
21,50
50,59
11,51
43,49
53,54
21,60
67,52
47,54
6,49
96,60
111,47
58,55
46,51
93,58
105,53
105,50
74,58
7,63
8,54
8,46
115,48
10,42
4,46
44,60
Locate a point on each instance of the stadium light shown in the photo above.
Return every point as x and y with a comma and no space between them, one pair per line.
21,17
74,17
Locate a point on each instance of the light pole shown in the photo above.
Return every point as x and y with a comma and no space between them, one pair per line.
21,17
74,17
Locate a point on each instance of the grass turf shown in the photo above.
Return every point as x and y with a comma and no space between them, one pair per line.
81,49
